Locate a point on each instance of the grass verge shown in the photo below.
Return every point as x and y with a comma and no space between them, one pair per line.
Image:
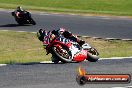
113,7
23,47
19,47
111,48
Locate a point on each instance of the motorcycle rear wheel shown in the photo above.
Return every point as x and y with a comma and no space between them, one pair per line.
54,59
63,55
20,23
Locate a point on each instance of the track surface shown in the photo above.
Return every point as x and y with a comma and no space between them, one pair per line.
37,75
60,75
104,27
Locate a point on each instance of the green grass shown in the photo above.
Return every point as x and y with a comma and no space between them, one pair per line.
111,48
24,47
20,47
113,7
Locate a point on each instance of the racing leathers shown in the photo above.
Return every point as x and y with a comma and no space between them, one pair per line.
62,32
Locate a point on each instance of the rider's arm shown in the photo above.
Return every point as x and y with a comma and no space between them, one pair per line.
55,32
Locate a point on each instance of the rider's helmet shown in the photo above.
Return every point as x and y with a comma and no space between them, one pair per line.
19,8
41,34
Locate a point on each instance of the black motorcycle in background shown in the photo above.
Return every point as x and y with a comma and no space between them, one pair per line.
23,17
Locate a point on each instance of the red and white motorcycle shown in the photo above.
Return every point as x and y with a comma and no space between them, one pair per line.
65,50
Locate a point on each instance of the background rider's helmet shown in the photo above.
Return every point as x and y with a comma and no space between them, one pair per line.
19,8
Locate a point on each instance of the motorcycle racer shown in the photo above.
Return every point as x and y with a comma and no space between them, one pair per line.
61,31
65,47
19,10
22,16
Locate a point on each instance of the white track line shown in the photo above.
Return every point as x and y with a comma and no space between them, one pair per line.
3,64
112,58
43,62
115,58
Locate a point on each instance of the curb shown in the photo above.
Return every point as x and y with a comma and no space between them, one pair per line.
86,36
105,38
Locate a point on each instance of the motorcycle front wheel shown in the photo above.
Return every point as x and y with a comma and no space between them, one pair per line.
93,55
32,21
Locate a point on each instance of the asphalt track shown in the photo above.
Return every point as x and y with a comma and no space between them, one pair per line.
36,75
94,26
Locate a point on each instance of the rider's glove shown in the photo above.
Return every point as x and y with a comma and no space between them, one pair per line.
81,42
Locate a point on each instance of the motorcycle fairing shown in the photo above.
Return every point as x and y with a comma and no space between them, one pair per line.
81,56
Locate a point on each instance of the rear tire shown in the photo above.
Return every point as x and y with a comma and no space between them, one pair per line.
12,13
54,59
20,23
61,58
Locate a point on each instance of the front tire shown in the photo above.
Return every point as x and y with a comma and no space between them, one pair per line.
92,58
93,55
12,13
33,22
